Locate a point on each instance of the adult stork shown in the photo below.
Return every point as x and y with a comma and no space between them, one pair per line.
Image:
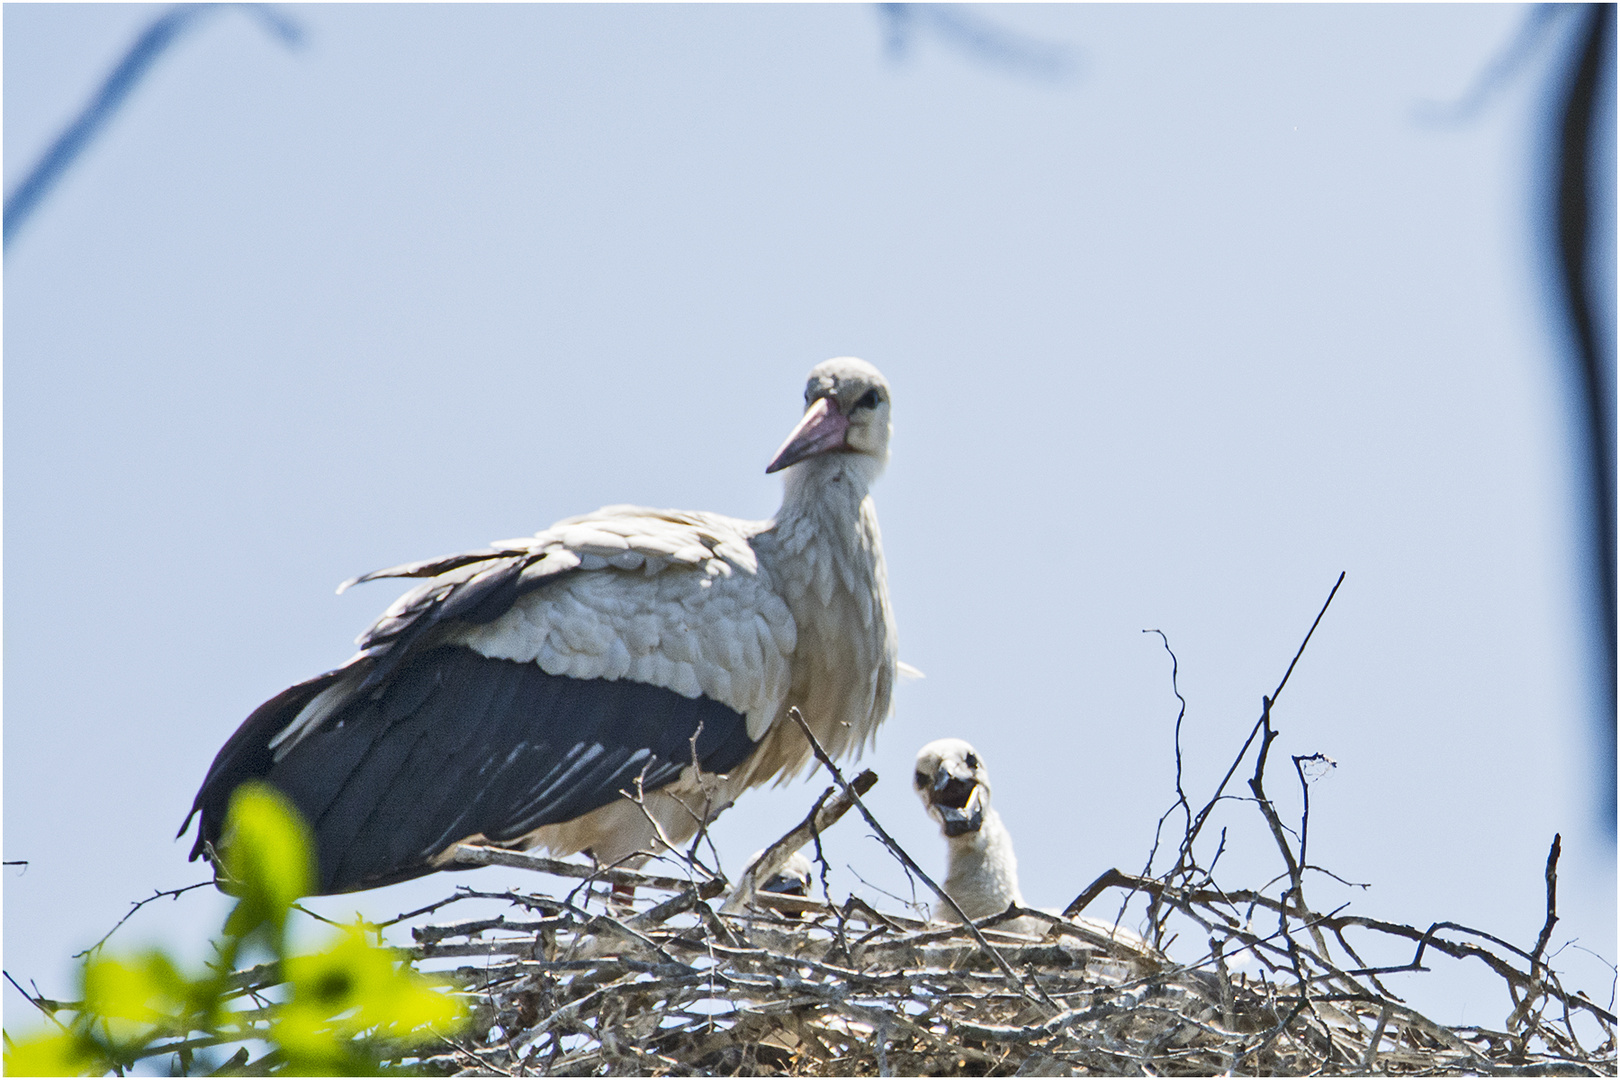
518,694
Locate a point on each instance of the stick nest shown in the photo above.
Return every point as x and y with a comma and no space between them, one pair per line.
793,987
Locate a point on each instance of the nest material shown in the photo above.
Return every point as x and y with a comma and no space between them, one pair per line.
794,987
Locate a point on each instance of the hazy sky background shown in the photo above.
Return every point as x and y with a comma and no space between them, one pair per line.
1174,339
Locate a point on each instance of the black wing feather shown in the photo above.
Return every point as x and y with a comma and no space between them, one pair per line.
457,744
247,754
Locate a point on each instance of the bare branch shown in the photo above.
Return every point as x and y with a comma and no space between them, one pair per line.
488,855
157,894
820,818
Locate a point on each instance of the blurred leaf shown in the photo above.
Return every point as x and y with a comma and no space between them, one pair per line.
421,1006
311,1044
50,1053
137,999
341,999
268,856
148,989
362,986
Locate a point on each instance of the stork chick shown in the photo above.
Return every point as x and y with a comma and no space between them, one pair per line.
981,870
793,879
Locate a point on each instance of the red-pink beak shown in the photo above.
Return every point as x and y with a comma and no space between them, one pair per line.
822,429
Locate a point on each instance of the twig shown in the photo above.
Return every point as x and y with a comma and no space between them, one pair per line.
1552,905
1305,797
131,69
38,1001
1202,816
821,817
1426,939
485,855
136,906
1377,1037
1277,693
1181,801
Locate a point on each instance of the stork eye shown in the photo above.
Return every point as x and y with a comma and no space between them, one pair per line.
972,761
922,779
869,400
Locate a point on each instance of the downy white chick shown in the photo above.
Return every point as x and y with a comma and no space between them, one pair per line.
981,869
793,878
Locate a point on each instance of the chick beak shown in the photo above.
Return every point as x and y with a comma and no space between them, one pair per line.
786,885
822,428
959,812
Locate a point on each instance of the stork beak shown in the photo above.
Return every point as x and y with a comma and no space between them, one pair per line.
785,884
960,812
822,429
960,822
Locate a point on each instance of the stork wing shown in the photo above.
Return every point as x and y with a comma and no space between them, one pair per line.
479,587
458,745
520,686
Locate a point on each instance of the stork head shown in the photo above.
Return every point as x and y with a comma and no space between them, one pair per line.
793,879
846,412
954,786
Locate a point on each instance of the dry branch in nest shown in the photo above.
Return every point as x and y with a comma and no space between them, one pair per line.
793,986
675,980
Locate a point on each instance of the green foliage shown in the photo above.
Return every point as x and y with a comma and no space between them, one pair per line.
268,858
343,1009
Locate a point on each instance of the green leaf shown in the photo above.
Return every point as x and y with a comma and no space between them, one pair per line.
345,1002
148,989
307,1039
50,1053
358,987
268,856
137,999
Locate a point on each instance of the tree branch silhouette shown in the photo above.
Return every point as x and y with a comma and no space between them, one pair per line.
147,49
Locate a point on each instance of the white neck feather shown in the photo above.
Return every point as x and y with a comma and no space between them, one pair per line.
982,872
824,555
828,484
827,529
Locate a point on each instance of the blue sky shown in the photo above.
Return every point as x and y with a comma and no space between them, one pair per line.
1175,338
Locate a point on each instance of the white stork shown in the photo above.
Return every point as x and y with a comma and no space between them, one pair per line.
793,878
981,870
520,690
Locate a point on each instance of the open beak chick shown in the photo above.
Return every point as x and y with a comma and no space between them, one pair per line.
981,870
